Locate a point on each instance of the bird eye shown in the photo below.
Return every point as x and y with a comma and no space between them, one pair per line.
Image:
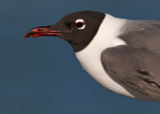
79,24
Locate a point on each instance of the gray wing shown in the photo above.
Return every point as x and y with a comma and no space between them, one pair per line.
135,67
142,34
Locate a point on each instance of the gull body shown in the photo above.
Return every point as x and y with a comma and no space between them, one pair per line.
122,55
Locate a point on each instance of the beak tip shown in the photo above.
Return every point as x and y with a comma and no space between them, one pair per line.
25,36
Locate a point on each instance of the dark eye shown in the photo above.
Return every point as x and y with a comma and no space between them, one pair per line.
79,24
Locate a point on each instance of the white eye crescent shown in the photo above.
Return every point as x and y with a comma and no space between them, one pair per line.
79,24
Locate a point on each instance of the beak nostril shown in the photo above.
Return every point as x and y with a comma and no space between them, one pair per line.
41,29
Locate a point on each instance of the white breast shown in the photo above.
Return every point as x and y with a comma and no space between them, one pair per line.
90,57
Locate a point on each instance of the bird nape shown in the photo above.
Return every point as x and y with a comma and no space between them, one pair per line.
122,55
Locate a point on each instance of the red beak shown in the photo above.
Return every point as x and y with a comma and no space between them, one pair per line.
42,31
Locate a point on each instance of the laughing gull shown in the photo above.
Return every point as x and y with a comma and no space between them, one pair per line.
122,55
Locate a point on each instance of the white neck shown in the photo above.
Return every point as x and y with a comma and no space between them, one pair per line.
107,34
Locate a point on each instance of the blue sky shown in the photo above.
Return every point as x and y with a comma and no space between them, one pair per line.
43,76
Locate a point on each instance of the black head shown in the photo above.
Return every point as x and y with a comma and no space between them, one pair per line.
77,28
